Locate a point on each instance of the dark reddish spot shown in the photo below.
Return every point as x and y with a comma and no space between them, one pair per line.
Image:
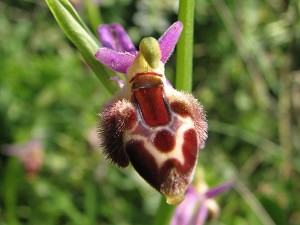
180,108
143,162
152,106
189,149
164,141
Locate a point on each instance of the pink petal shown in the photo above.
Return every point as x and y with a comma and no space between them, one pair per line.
185,210
202,215
115,37
212,192
117,61
169,39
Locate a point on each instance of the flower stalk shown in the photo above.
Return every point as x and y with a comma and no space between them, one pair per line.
164,213
184,55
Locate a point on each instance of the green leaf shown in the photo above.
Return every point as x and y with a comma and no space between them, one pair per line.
274,210
82,38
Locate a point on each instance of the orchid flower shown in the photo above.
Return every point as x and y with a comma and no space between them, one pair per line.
148,123
198,206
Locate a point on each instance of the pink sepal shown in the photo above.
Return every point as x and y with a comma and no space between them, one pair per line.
117,61
169,39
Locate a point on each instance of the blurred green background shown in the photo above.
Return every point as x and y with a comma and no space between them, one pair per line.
246,74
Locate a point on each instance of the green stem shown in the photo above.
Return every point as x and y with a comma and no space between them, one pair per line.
184,72
184,59
164,213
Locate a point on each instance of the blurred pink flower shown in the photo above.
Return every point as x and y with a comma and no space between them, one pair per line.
30,154
198,205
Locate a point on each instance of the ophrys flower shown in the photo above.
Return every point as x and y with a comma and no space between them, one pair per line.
149,123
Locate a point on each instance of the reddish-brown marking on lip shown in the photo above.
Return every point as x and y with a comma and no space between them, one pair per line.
152,106
189,149
167,179
164,141
143,162
145,74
